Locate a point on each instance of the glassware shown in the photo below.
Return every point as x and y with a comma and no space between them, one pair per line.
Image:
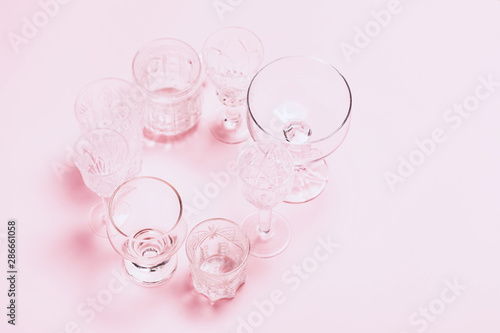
305,103
231,57
102,157
265,170
118,105
169,71
146,228
217,250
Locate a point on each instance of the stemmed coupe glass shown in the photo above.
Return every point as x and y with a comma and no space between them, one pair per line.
231,57
265,170
304,103
102,156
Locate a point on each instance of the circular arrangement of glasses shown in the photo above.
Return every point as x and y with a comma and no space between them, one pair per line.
296,110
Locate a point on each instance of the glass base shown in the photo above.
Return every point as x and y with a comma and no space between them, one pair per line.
309,181
97,220
228,124
151,276
270,244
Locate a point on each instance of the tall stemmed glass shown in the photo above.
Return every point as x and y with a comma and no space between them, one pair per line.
304,103
102,157
265,171
231,57
118,105
146,228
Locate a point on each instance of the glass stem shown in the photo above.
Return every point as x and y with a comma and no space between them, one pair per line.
265,216
105,202
233,115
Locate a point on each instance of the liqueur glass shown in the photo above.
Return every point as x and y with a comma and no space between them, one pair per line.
146,228
304,103
231,57
102,156
217,250
169,72
118,105
265,172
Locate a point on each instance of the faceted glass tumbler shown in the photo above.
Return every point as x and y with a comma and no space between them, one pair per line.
146,228
217,250
169,72
118,105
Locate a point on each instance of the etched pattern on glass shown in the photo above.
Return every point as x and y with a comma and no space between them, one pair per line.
218,253
117,105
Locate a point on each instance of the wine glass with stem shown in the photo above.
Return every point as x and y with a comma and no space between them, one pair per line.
102,156
146,227
304,103
118,105
265,170
231,57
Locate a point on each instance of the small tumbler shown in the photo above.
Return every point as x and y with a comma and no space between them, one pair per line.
169,71
217,250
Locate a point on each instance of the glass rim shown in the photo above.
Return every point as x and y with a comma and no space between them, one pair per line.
346,118
164,42
83,135
247,242
109,79
233,27
256,143
111,203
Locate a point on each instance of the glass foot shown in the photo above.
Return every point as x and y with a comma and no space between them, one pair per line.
270,244
229,125
97,220
151,276
309,181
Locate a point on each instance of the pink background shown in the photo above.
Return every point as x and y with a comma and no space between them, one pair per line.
396,248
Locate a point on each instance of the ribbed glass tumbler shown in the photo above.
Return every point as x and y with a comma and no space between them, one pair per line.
169,72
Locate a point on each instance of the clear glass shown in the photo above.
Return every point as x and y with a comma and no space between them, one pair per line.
231,57
304,103
102,156
146,228
265,170
169,72
217,250
118,105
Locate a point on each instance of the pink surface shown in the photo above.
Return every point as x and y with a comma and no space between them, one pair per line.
418,255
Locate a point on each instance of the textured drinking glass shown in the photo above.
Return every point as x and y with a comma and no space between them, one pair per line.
169,71
115,104
306,104
231,57
102,157
217,250
146,228
265,171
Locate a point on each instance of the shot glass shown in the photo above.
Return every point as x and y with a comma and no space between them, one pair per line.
169,72
217,250
146,228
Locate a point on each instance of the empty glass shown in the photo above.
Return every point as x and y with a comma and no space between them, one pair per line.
231,57
146,228
102,157
217,250
115,104
306,104
265,171
169,71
